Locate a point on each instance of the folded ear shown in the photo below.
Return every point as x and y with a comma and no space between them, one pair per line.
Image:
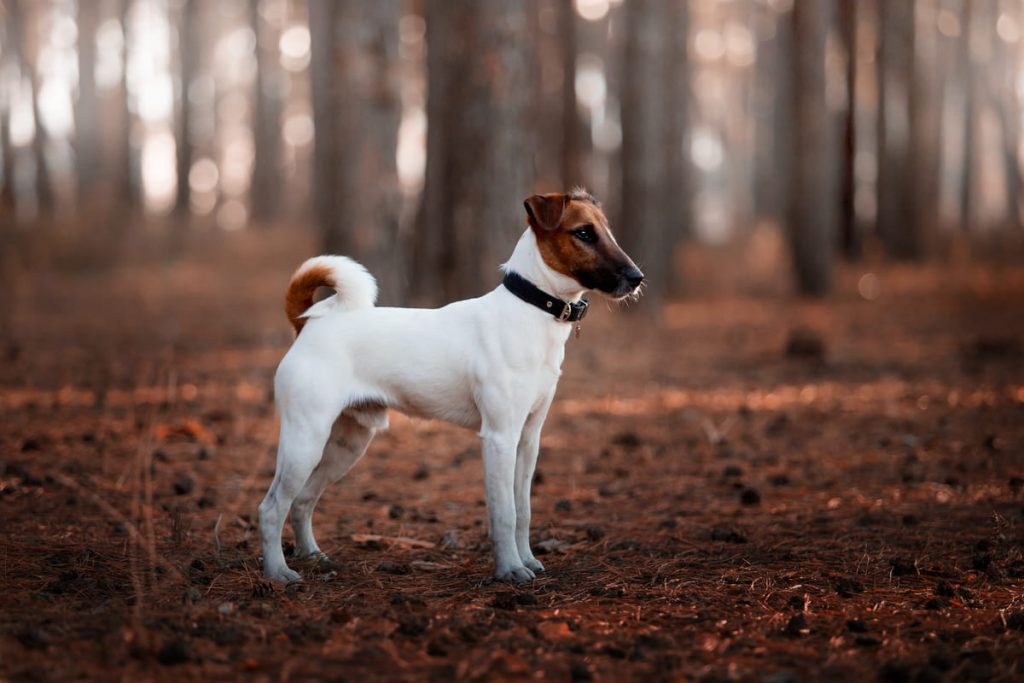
545,210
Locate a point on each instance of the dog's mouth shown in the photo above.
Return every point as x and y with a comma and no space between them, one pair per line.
618,286
627,292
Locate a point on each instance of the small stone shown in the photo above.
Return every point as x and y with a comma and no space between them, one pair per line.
628,440
902,567
727,535
856,626
1015,620
797,626
846,586
174,653
805,343
31,445
183,484
750,497
34,638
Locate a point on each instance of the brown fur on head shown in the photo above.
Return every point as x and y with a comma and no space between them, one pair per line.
575,240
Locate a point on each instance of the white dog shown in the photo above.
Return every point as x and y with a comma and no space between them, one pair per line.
490,364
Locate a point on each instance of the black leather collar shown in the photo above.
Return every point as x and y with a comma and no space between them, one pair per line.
564,311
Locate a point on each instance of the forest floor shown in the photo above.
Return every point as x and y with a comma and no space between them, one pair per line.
749,487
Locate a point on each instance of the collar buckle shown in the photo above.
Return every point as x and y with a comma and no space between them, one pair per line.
584,306
566,312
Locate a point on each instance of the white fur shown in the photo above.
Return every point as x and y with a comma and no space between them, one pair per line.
490,364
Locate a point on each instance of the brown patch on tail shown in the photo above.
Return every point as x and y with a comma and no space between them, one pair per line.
301,291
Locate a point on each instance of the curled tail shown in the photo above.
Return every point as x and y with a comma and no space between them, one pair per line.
353,285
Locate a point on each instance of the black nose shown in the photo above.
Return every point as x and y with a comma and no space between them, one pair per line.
634,277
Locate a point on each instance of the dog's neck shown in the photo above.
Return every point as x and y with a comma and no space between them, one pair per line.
527,261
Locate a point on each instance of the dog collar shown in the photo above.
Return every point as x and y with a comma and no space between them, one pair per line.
564,311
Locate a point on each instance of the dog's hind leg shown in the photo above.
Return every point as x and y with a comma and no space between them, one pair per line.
349,440
301,448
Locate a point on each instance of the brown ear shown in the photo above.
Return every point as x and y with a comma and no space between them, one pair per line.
545,210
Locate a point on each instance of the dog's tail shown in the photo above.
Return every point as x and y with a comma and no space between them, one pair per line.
353,285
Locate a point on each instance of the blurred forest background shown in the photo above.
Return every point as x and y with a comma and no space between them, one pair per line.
406,134
801,459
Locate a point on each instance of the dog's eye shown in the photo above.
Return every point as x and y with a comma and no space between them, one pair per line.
585,234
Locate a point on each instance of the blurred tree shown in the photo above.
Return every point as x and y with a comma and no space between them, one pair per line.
43,181
850,234
357,110
900,142
968,79
772,84
654,213
87,129
572,129
188,62
8,64
1006,103
812,203
479,151
266,170
128,190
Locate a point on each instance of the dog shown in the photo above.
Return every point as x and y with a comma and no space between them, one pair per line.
490,364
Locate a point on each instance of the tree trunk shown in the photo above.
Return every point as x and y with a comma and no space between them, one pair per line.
772,99
851,241
43,182
87,130
188,60
266,171
899,215
572,130
1006,103
11,58
654,212
479,152
968,83
812,205
129,191
7,191
357,110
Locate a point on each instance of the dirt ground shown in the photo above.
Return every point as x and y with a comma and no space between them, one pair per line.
747,487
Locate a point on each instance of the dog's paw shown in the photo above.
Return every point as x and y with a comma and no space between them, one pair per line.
284,575
533,564
519,574
312,555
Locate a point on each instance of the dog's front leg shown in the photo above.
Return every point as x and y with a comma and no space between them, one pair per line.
499,482
526,464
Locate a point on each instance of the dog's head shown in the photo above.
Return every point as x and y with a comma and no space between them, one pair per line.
575,240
